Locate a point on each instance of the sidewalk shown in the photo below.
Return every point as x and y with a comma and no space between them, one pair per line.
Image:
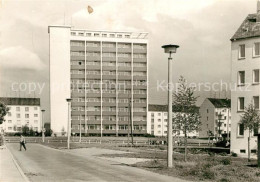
9,171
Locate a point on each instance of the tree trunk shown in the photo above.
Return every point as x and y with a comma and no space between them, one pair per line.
185,142
249,151
258,150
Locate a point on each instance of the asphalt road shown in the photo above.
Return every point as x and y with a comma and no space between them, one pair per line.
40,163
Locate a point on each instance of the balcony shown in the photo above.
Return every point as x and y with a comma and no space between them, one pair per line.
124,50
77,76
90,95
93,67
92,76
77,58
123,59
93,58
93,49
140,68
109,104
77,104
108,58
77,113
140,60
123,77
109,77
139,96
93,104
124,68
77,67
93,113
140,77
109,49
109,68
77,48
142,51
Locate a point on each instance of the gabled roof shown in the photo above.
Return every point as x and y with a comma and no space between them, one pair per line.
248,29
220,103
158,108
20,101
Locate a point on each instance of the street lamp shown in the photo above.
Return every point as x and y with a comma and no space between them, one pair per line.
43,129
68,129
170,49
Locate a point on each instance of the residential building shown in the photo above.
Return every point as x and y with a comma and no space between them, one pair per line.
22,112
245,52
105,74
157,122
215,117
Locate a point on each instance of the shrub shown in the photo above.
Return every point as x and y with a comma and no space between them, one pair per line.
208,174
226,161
224,180
233,154
223,154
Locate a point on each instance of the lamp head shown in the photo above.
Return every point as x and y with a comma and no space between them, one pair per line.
43,110
170,48
68,100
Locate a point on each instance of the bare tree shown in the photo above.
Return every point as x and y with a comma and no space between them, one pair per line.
186,118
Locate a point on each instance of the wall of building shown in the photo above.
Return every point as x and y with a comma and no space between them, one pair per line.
248,64
59,38
19,116
207,113
97,57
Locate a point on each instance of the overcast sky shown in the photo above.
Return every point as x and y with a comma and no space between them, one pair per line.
202,28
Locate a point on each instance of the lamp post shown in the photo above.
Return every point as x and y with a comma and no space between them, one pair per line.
43,129
170,49
68,129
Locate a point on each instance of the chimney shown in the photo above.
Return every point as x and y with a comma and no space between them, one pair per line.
258,12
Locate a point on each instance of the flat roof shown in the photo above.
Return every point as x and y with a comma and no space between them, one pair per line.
20,101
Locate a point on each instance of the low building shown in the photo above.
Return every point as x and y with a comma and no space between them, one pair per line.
215,117
157,122
22,112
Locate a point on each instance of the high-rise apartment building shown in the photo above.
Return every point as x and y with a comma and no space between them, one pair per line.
105,75
245,49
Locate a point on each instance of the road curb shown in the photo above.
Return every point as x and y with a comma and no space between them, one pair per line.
18,167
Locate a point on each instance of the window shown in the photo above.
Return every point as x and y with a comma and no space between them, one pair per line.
159,114
26,115
35,108
159,120
152,120
35,128
9,121
240,129
242,51
256,49
159,126
26,108
207,118
207,111
10,128
35,121
241,103
104,35
17,108
9,114
241,78
256,102
35,115
73,33
165,114
242,151
18,115
165,120
256,76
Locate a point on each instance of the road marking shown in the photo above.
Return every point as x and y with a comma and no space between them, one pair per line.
18,167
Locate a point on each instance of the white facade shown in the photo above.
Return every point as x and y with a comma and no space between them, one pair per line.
157,124
59,76
210,120
19,116
245,78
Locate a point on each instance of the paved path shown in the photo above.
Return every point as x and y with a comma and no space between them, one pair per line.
41,163
9,170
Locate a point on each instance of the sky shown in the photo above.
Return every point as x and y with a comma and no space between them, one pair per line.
202,29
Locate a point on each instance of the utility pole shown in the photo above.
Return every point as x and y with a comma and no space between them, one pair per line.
130,120
80,129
